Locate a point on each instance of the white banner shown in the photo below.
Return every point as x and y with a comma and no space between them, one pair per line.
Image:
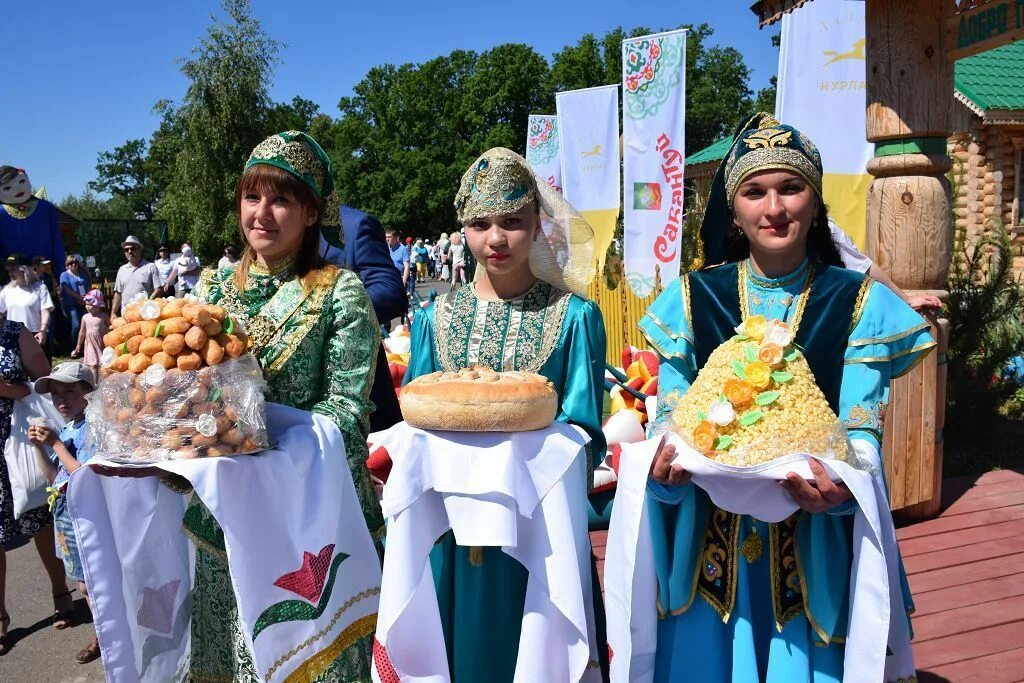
542,148
589,121
653,124
822,93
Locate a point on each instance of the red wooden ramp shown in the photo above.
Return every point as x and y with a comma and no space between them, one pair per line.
966,570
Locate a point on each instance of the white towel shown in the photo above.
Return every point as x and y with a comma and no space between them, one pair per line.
523,492
877,620
293,530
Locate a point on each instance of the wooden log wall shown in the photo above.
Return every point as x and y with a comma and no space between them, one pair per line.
986,170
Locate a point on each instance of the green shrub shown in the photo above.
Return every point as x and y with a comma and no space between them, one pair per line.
985,310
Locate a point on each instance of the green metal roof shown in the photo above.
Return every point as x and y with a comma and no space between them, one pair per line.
993,79
715,152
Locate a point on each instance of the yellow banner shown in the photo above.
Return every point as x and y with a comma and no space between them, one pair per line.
603,223
845,196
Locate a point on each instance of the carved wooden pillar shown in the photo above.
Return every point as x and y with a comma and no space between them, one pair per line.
910,93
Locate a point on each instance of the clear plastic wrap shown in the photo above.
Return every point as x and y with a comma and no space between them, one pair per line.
163,414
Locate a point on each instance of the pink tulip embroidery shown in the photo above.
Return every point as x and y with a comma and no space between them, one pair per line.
313,581
158,606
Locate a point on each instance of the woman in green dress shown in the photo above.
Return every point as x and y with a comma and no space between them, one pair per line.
520,313
314,333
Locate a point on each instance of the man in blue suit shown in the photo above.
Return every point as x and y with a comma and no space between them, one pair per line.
365,253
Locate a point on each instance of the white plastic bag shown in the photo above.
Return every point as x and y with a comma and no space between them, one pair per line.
28,484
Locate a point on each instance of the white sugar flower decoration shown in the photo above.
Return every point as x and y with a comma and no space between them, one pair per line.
779,333
721,413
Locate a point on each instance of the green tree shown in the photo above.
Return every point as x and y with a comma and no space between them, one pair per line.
408,132
125,173
295,115
591,62
717,91
88,206
766,96
225,113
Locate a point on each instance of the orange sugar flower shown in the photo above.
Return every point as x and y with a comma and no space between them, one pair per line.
738,392
770,354
704,436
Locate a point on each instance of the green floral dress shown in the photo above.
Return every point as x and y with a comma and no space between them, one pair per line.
317,347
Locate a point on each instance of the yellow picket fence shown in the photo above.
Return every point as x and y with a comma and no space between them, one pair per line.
622,311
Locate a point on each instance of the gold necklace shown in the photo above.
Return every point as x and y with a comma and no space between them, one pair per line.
803,296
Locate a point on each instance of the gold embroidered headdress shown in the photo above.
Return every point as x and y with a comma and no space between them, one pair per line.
299,154
500,182
760,144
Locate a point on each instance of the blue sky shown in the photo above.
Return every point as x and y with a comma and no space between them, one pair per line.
83,77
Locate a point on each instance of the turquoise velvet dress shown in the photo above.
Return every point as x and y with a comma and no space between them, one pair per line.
560,336
696,642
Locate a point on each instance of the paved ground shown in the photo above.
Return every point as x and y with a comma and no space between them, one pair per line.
40,653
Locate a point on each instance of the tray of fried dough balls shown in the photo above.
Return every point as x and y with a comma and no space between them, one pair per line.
179,383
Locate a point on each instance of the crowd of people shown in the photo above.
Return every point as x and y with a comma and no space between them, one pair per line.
314,280
29,339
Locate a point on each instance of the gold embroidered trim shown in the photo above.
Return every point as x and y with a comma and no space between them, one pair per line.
766,283
665,328
784,558
891,338
442,312
205,546
258,268
871,418
862,300
541,317
906,352
665,354
803,296
315,665
917,360
731,545
515,324
558,304
316,296
684,283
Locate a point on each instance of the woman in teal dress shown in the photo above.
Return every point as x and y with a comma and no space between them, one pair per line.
520,313
741,600
315,335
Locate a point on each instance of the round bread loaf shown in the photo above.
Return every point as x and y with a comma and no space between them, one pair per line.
479,399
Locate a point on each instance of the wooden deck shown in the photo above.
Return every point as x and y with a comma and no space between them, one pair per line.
966,570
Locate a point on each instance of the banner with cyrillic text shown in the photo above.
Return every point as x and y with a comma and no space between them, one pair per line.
653,125
589,132
822,81
542,148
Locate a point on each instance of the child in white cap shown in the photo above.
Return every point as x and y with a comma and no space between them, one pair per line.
59,454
